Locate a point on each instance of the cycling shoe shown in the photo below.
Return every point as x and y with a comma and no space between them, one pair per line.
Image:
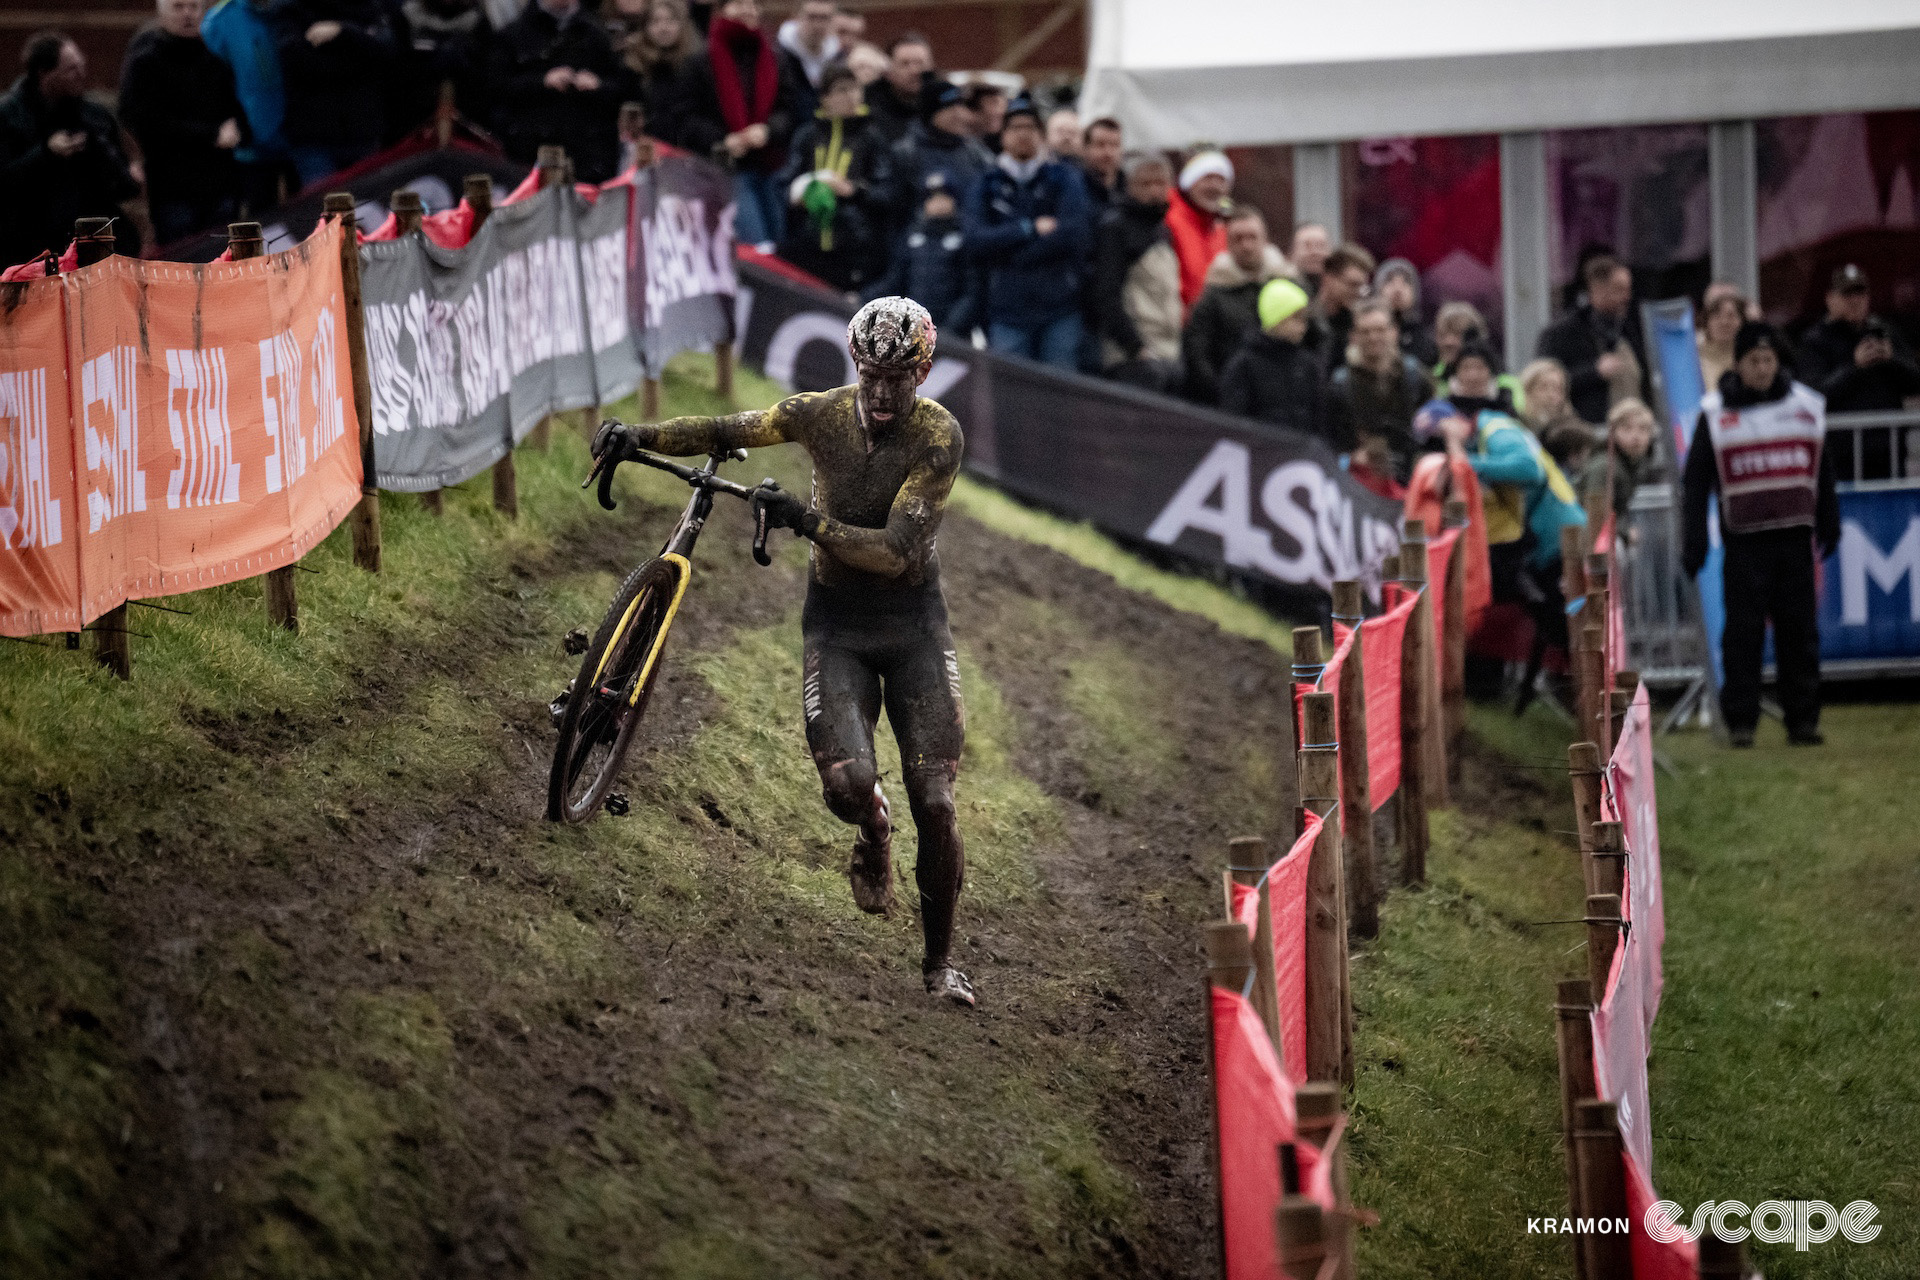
871,871
948,983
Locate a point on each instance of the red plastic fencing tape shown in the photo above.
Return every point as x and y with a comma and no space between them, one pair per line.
1380,641
1286,887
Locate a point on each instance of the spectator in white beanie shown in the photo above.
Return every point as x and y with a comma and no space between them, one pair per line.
1196,218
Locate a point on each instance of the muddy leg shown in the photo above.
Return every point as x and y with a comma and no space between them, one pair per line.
941,868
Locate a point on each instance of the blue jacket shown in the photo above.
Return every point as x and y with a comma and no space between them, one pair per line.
933,269
241,34
1032,279
1523,483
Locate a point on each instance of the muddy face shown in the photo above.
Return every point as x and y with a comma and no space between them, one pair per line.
887,395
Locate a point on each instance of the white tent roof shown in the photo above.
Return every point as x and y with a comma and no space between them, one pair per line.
1249,72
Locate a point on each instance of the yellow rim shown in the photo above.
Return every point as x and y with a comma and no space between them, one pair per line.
684,575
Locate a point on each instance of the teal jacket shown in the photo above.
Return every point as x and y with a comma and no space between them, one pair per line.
1524,486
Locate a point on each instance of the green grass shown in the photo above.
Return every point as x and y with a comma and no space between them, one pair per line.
1786,1058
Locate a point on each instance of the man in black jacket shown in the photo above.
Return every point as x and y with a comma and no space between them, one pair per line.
178,101
1227,310
1136,281
1831,345
1275,377
555,80
60,155
1599,342
1875,378
1372,400
1758,442
893,101
335,58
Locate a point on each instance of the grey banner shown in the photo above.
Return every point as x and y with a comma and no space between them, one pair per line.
681,282
468,349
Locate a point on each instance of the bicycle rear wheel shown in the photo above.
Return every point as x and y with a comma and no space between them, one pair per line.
609,696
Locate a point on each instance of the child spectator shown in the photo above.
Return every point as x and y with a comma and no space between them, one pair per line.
832,227
1275,377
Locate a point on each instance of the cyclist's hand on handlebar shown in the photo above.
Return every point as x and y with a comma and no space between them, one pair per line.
783,510
621,440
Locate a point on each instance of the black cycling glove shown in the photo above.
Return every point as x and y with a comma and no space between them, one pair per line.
783,510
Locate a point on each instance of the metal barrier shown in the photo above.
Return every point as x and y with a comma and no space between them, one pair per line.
1666,642
1875,450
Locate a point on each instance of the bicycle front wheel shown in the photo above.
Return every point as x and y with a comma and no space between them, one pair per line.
609,697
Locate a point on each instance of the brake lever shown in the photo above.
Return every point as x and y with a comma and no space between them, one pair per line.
760,530
606,484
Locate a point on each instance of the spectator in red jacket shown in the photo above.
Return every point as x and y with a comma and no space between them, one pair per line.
1196,218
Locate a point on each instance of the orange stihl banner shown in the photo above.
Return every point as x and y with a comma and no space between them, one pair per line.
167,427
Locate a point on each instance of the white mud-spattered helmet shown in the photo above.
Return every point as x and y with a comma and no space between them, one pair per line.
891,332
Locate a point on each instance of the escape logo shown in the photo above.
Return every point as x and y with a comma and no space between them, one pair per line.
1770,1222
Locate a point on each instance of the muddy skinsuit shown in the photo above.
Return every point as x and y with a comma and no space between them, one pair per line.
875,622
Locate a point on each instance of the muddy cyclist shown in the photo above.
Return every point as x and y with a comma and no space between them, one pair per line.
875,620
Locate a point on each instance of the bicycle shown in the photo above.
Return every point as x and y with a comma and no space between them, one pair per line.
606,701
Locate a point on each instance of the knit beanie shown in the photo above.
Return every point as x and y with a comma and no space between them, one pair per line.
1202,164
1757,333
1475,349
1280,299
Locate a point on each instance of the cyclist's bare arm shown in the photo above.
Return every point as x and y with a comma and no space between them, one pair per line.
911,523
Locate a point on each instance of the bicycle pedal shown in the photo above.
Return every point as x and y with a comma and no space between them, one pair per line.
576,641
617,804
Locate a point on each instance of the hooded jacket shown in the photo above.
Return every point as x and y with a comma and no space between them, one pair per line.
1136,285
1525,489
804,68
840,238
175,94
1227,311
241,34
1279,382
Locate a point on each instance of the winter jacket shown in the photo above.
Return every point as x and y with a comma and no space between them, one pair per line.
1199,236
1220,321
448,42
892,115
1578,340
528,115
1702,478
697,124
1525,490
1826,348
1366,405
1032,279
242,34
1136,285
90,183
803,69
176,93
1886,384
925,151
336,91
838,239
932,267
1415,340
1280,382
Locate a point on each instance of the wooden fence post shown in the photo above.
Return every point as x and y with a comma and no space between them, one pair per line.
1603,1188
1416,670
1307,662
1329,1007
723,371
1301,1233
1603,938
1247,865
1607,864
1573,586
1573,1040
1593,654
283,602
409,212
1229,964
478,191
1356,804
1453,655
1316,1107
366,513
112,647
555,170
1583,771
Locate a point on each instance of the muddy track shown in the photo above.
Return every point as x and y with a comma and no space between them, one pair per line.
1129,886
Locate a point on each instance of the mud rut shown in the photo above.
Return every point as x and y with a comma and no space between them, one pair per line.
1130,885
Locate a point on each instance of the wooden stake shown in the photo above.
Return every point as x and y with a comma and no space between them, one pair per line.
650,400
409,212
1416,671
1573,586
1246,865
1593,653
1356,806
1607,864
478,191
1622,700
1603,938
366,513
723,371
244,241
1329,1008
1453,665
1229,964
93,242
1573,1039
1721,1260
1302,1237
1603,1188
1316,1106
1583,770
1307,660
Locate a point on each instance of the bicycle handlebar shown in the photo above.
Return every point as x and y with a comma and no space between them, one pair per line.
698,477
